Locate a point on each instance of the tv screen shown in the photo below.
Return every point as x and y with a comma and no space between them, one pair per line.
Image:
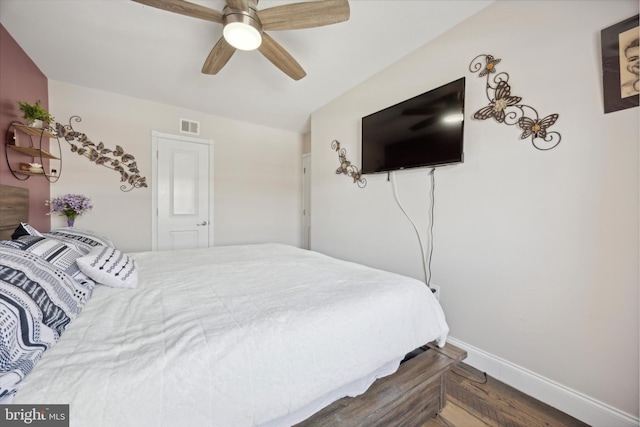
426,130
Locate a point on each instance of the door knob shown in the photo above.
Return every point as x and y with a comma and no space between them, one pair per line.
203,223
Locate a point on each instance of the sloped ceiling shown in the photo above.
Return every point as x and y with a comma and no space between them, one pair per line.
124,47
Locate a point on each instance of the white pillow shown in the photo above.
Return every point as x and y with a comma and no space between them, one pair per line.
110,267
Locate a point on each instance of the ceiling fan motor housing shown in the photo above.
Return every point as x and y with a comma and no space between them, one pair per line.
242,28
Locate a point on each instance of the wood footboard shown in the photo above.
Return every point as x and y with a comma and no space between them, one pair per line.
412,395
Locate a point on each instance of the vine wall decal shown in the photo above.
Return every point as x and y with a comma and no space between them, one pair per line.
123,163
508,109
346,167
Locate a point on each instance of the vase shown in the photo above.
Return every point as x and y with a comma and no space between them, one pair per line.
35,123
70,222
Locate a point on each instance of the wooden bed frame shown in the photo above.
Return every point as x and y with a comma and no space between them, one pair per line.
409,397
14,207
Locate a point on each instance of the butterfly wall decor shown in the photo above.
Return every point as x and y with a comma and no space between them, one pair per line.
508,109
346,167
123,163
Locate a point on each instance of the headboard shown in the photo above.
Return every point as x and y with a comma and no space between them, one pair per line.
14,208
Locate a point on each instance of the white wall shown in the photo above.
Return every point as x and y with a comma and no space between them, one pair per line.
536,252
257,172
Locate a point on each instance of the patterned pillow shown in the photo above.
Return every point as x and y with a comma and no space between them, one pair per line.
25,229
37,303
54,252
82,240
110,267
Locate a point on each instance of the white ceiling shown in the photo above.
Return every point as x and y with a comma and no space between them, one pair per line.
124,47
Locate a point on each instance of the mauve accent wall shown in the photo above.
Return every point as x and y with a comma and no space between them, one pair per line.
21,79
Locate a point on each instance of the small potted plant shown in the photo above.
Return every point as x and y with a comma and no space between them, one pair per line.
34,114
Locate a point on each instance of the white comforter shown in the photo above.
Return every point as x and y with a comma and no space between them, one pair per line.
233,336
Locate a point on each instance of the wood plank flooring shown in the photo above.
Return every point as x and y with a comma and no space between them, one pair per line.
473,401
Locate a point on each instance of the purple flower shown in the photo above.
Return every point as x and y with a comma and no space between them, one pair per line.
70,205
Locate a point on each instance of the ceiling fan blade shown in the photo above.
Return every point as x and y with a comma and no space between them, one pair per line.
280,58
304,15
185,8
218,57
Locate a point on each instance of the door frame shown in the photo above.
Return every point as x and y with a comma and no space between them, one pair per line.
306,209
154,180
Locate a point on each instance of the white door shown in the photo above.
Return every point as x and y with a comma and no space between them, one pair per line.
183,218
306,201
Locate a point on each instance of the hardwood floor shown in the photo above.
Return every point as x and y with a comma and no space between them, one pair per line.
473,401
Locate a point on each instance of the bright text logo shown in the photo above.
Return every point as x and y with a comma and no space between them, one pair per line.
34,415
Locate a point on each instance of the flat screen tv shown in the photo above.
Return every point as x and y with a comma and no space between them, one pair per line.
426,130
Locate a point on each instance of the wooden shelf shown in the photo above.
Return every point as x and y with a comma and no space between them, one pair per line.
33,152
32,147
33,173
33,131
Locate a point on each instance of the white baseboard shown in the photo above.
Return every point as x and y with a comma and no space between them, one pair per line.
576,404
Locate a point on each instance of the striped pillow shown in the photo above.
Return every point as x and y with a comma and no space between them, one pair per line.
25,229
54,252
82,240
37,303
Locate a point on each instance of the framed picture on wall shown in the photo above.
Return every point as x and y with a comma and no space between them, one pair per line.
620,66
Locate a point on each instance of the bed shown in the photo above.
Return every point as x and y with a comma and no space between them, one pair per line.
249,335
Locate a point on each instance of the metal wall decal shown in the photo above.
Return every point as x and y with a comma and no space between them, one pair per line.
346,167
123,163
508,109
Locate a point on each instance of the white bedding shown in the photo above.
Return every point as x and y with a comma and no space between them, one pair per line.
233,336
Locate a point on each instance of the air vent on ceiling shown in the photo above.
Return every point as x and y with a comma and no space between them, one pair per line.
190,126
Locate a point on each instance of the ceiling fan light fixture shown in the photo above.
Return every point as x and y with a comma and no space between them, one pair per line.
242,36
242,28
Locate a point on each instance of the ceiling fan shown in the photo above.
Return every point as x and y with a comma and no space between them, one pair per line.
245,26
